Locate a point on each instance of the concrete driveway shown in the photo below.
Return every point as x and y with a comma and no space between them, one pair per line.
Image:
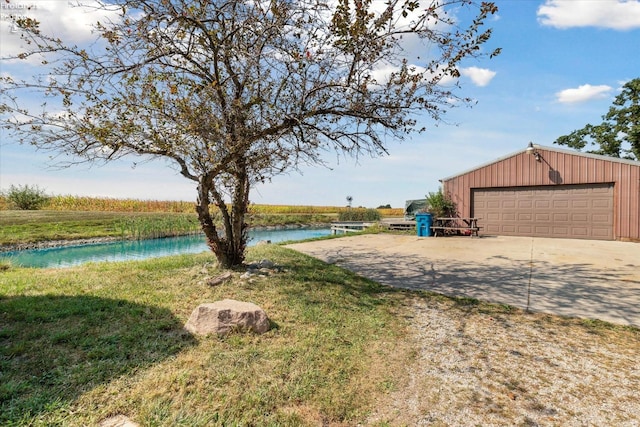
577,278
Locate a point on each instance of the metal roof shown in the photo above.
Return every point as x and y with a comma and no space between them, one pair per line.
544,147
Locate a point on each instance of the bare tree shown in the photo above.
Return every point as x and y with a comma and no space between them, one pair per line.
235,92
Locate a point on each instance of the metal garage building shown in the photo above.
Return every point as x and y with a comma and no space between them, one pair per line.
552,192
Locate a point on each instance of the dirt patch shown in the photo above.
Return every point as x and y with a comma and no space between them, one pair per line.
476,365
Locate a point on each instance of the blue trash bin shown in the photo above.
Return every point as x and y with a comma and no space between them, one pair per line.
424,221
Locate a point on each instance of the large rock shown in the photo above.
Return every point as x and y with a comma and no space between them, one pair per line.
221,317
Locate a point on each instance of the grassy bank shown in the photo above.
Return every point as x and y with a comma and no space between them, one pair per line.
74,217
29,227
78,345
40,226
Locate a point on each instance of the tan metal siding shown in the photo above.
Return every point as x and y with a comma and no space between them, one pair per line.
629,220
557,168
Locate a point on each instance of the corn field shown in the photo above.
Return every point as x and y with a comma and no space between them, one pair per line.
292,209
96,204
77,203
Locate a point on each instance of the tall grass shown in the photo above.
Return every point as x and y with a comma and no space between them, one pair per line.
360,214
156,227
25,227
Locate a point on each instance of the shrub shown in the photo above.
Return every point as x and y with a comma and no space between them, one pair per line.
441,205
359,214
26,198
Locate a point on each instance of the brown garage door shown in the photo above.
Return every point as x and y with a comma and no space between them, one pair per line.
569,211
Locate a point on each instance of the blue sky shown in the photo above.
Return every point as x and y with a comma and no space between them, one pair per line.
562,64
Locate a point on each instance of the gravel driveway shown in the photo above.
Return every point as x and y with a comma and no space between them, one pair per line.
478,365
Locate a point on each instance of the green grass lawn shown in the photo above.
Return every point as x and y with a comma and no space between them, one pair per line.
80,344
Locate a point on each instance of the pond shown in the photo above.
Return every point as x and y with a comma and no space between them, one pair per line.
68,256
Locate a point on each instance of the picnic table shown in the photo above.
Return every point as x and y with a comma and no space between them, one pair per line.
457,226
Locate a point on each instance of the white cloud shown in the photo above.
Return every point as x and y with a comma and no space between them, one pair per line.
614,14
479,76
583,93
58,18
383,73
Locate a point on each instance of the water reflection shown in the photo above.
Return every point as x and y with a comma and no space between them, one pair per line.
68,256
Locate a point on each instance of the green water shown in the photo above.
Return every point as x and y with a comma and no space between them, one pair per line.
68,256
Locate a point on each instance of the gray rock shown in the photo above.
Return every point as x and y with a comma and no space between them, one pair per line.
220,279
265,263
222,317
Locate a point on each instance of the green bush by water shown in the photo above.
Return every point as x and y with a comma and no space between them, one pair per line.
359,214
156,227
25,197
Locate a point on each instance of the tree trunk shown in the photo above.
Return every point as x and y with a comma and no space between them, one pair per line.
229,248
239,209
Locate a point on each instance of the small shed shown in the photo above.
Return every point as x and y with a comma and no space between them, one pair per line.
411,207
551,192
